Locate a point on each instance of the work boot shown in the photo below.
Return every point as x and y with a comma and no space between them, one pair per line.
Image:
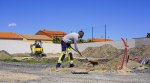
58,65
71,65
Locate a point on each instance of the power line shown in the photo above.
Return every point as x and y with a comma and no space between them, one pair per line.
92,34
105,33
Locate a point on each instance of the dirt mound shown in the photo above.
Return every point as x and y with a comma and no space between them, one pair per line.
105,51
4,55
133,64
140,51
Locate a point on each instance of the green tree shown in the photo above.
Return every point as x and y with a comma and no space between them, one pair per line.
56,39
80,41
89,40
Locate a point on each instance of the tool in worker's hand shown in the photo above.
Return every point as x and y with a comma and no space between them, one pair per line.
89,61
79,53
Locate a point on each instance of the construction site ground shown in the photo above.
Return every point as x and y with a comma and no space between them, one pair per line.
14,72
22,68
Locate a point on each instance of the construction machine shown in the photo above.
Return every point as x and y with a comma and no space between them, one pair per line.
37,49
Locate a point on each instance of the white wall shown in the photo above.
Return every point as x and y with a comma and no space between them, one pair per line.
142,41
18,46
117,44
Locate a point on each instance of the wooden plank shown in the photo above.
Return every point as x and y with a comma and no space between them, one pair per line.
79,72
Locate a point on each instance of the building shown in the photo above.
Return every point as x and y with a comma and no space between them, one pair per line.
10,36
99,39
51,33
33,38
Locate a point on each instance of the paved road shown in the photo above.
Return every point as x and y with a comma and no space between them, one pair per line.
65,77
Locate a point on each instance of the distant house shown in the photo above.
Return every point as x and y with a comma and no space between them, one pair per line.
99,39
51,33
32,38
10,36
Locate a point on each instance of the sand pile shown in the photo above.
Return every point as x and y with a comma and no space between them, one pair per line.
143,51
105,51
133,64
4,55
108,51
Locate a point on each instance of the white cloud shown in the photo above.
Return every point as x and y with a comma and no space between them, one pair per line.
12,25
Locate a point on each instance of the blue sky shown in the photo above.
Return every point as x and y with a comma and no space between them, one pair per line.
123,18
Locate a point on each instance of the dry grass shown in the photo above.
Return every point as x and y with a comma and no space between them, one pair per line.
21,55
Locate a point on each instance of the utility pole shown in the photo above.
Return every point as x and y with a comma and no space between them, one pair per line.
105,33
92,34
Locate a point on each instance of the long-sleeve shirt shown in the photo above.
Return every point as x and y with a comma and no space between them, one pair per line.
72,37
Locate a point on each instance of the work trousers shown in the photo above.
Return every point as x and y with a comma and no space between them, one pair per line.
66,50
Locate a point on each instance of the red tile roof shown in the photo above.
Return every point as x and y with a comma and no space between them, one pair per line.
99,39
9,35
51,33
36,37
54,32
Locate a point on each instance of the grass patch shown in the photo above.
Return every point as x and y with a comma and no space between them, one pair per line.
21,55
10,60
35,60
148,65
38,60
